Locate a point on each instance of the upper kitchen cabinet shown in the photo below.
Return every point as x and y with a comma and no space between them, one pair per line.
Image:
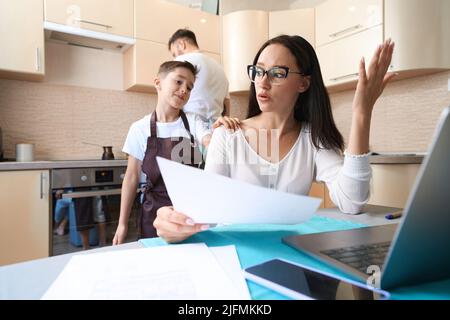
108,16
157,20
22,38
337,19
421,31
141,64
339,61
293,22
346,30
243,33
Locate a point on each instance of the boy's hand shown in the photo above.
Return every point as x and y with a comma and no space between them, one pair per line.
229,123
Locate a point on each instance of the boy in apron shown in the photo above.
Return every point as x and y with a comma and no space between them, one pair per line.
167,132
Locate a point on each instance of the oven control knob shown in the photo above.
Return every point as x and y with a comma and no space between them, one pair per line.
83,178
122,175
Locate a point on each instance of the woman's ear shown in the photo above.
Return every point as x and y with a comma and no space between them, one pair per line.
304,84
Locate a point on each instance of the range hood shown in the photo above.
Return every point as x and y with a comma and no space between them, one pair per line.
86,38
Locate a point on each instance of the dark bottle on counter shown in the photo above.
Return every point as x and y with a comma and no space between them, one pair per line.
107,153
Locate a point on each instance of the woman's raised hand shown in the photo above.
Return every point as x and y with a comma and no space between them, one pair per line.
372,83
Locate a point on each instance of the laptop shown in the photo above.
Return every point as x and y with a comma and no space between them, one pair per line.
412,252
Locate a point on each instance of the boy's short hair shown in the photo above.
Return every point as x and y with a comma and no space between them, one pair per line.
183,34
169,66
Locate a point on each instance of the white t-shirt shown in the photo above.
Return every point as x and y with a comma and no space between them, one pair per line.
136,141
210,87
348,179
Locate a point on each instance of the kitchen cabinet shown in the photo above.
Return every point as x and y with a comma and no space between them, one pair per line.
392,184
339,64
157,20
293,22
320,190
337,19
421,31
108,16
141,64
346,30
243,33
24,215
22,38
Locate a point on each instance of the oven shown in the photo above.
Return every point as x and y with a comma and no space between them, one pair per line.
86,208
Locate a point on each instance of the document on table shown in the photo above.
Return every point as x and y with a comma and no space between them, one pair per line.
175,272
211,198
229,260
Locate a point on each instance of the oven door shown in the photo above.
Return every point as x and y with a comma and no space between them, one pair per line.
86,209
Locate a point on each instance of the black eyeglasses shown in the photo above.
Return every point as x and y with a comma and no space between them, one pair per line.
276,74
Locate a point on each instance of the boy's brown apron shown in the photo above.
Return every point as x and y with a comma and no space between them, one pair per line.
155,193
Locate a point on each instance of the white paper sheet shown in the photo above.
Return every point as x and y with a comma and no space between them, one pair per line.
210,198
188,271
229,261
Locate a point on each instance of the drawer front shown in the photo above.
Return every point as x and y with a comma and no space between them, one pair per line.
336,19
110,16
339,60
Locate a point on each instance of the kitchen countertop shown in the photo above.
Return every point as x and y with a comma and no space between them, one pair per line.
397,158
387,158
61,164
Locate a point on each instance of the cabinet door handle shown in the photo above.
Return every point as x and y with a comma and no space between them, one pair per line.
94,23
344,77
42,192
42,186
38,59
352,28
94,193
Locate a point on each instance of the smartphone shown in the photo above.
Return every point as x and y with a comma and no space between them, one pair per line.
301,282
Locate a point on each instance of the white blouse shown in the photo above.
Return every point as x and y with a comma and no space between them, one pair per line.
348,178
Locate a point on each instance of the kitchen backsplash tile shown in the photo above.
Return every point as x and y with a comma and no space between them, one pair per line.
58,119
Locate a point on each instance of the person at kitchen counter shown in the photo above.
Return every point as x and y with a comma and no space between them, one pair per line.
167,132
290,115
209,98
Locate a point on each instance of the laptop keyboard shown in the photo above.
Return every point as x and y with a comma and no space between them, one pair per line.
360,257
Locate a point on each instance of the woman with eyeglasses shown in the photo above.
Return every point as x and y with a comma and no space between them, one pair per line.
289,138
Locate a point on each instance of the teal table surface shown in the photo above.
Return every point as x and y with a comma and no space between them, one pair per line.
259,243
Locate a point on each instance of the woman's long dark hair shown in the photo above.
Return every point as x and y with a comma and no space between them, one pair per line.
312,106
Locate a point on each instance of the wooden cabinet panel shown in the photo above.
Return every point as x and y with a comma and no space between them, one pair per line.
25,216
157,20
243,33
421,31
22,37
293,22
392,183
141,64
339,60
110,16
337,19
320,190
